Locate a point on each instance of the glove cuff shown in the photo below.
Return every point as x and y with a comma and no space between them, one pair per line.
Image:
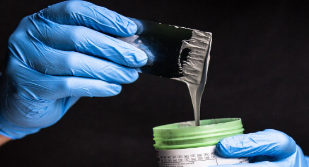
5,135
13,132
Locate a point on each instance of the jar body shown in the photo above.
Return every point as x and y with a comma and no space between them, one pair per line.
194,157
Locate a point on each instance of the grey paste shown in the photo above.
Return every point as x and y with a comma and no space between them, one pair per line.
195,69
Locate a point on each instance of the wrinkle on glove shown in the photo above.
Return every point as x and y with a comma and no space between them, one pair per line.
268,148
61,54
89,15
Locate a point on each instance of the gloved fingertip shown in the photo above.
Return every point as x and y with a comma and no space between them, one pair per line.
223,149
115,89
141,58
131,28
232,147
137,58
133,76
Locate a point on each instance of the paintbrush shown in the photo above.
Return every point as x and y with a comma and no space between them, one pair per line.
174,52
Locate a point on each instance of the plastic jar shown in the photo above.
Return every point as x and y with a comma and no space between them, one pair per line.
185,145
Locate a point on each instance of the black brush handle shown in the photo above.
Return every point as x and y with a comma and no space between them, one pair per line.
162,44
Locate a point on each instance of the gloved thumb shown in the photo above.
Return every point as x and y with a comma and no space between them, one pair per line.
295,160
272,143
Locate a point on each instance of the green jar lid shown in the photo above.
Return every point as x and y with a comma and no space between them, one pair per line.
187,135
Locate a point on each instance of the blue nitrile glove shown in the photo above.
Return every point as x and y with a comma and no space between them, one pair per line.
58,55
268,148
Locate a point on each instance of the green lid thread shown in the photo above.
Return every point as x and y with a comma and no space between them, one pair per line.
186,135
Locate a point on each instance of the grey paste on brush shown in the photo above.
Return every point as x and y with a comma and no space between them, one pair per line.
195,68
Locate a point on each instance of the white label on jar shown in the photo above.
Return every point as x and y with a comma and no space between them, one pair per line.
194,157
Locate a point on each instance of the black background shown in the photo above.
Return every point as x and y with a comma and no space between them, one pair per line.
258,71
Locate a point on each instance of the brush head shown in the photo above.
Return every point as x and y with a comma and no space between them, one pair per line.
173,52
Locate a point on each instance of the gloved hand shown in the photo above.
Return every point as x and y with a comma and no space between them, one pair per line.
58,55
268,148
